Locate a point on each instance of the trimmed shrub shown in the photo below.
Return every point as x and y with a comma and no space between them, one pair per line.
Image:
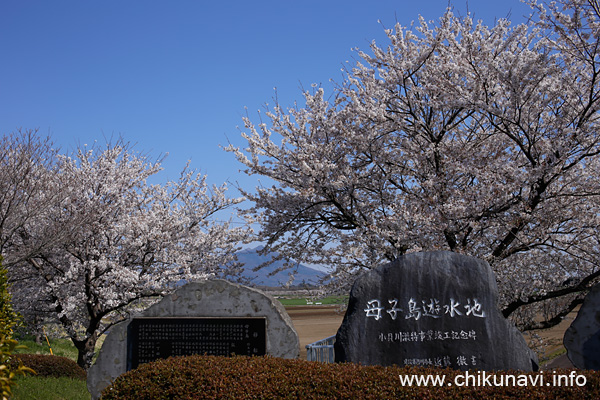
49,365
211,377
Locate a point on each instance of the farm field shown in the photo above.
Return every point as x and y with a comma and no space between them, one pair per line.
314,323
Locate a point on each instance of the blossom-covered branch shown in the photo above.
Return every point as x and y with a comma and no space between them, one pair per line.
458,136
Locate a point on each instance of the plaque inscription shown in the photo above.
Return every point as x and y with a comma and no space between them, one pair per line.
150,339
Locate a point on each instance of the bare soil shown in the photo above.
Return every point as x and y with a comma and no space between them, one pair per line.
314,323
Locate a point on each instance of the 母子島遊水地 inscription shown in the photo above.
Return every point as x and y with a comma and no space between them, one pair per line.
430,309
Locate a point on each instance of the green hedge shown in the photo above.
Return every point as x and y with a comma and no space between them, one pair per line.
210,377
49,365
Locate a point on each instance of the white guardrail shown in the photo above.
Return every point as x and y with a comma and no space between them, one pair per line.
321,350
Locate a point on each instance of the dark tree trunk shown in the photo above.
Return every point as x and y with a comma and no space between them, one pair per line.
85,351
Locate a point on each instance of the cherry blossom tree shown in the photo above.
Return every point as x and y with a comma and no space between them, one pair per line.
27,164
455,136
115,240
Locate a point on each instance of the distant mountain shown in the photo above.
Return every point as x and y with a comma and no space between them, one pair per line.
251,259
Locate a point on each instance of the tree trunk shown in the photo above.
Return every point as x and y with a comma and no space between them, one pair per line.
85,351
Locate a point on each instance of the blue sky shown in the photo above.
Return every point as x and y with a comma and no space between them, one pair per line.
175,76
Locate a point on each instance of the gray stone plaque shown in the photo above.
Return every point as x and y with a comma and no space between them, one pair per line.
150,339
214,299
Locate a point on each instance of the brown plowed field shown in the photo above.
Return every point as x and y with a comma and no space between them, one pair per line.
314,323
318,322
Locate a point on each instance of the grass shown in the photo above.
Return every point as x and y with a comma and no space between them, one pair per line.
553,355
60,347
48,388
33,387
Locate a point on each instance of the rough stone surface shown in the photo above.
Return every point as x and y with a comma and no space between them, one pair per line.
215,298
582,338
431,309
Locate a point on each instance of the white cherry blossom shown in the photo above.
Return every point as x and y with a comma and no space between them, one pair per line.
453,136
85,237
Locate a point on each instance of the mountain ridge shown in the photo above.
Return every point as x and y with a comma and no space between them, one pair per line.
302,275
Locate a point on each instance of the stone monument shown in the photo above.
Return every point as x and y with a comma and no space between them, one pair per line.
430,309
582,338
211,317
